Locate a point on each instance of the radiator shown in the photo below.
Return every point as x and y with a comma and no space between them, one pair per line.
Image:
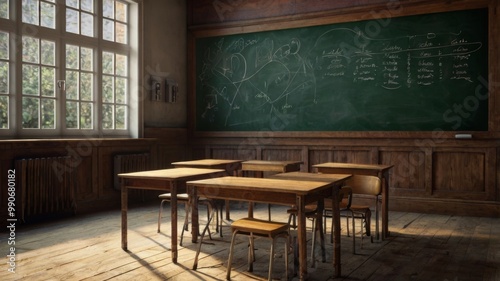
127,163
47,186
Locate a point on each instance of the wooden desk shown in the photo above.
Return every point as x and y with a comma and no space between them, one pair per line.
168,180
275,191
232,167
380,171
270,166
261,166
338,180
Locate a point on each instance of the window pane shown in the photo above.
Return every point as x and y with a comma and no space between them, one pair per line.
87,87
87,5
30,49
72,3
4,112
86,56
121,65
30,113
48,15
87,24
121,11
30,11
121,33
30,80
120,117
48,81
108,30
108,63
72,57
72,85
48,52
121,90
107,116
4,77
71,115
4,10
86,116
48,114
108,9
4,45
108,89
72,21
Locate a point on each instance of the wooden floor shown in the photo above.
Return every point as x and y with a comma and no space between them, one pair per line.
421,247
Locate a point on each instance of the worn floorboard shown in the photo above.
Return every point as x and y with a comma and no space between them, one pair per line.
87,247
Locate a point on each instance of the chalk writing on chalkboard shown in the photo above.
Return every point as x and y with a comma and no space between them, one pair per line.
408,76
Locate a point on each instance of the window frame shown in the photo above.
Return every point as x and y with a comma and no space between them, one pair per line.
133,51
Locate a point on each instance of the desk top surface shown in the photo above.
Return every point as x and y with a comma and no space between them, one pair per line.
206,162
333,178
379,167
272,162
262,184
174,173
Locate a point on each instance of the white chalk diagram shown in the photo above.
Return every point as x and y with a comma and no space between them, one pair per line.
250,80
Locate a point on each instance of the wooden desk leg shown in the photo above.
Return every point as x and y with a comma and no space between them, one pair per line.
228,217
385,206
195,225
124,214
336,231
301,233
173,220
319,223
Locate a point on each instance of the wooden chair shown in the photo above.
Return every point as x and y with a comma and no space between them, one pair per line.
312,214
260,228
183,198
362,186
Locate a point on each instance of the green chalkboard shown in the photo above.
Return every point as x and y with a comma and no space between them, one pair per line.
413,73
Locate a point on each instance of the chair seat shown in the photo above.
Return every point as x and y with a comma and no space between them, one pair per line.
259,227
263,228
180,197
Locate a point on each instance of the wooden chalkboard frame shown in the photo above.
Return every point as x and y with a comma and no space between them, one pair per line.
349,15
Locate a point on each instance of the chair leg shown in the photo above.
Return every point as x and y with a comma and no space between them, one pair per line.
347,225
287,245
219,221
230,259
159,214
313,248
271,261
353,234
251,252
368,219
321,239
295,256
186,222
210,215
195,265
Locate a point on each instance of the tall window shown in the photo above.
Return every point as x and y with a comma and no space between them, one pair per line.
65,67
4,80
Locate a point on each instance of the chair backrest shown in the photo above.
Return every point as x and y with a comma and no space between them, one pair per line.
370,185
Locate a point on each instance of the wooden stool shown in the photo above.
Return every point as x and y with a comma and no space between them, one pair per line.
261,228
